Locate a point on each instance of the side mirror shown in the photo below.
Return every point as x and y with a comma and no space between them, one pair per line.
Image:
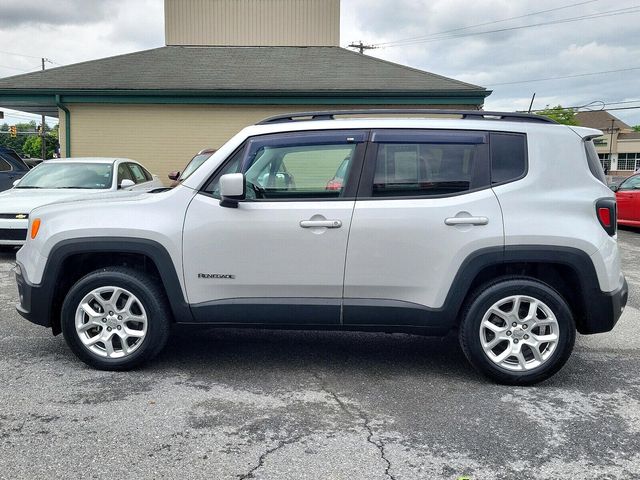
126,183
15,184
614,188
233,189
174,176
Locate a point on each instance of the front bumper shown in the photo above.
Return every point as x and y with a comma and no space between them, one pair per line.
35,301
604,309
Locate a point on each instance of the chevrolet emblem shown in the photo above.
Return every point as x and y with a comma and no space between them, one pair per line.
21,216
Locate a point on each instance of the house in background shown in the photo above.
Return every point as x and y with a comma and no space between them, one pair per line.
226,64
619,147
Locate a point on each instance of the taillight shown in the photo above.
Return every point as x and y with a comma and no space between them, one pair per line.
607,214
334,185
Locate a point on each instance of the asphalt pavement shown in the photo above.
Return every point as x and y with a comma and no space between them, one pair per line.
239,404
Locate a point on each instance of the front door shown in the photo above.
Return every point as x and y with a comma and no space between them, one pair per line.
279,257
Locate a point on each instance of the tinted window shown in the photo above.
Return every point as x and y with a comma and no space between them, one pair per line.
232,165
4,166
631,183
124,173
194,164
299,171
147,175
508,157
594,161
423,169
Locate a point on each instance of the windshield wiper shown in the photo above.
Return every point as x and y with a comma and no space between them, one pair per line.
73,188
28,187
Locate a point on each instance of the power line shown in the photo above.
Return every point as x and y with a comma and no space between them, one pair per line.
489,23
15,68
19,54
608,13
565,76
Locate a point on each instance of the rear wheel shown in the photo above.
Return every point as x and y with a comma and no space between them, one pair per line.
517,331
115,319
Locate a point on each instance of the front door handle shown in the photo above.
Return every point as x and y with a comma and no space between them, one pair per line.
320,223
466,221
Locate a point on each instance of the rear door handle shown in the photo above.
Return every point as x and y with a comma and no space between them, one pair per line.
466,221
320,223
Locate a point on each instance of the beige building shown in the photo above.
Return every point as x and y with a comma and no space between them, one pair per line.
226,64
619,147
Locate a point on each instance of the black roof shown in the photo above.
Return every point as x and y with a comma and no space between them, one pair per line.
240,69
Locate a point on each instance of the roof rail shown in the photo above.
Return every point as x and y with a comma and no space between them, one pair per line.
464,114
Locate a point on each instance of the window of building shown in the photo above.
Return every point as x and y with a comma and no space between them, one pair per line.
628,161
605,161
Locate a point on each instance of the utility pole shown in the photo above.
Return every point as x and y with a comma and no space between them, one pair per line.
611,141
42,131
361,47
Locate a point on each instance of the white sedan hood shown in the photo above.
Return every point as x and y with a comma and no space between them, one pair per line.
18,200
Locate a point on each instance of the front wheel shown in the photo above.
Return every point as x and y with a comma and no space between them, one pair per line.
115,319
517,331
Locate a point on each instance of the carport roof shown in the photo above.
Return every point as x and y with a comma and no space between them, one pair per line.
240,71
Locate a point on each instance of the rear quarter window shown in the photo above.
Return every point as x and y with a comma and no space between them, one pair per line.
594,161
508,157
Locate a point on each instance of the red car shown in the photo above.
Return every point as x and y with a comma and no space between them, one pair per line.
628,199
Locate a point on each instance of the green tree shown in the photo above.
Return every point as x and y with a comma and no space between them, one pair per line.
29,143
33,145
636,128
566,116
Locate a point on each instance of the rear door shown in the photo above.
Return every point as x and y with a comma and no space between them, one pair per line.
424,205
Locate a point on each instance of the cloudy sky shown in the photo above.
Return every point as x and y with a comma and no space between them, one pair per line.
514,47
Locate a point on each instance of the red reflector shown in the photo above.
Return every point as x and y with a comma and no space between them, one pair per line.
605,216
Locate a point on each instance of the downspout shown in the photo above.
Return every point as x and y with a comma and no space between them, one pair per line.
67,127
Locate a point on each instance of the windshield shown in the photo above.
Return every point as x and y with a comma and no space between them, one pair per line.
93,176
194,164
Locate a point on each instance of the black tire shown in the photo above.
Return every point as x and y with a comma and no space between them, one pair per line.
148,292
488,295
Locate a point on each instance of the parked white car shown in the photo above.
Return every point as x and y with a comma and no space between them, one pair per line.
66,179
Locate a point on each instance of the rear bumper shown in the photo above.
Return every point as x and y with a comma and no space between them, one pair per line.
604,310
35,303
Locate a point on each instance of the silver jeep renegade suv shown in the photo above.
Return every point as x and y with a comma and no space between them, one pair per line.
496,226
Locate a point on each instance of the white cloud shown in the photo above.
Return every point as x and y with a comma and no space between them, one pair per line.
70,31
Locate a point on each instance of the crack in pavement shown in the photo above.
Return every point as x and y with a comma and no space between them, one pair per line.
263,457
366,423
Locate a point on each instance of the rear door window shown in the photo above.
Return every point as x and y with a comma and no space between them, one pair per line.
426,163
137,173
4,166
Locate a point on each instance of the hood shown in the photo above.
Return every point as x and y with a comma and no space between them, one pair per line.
25,200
